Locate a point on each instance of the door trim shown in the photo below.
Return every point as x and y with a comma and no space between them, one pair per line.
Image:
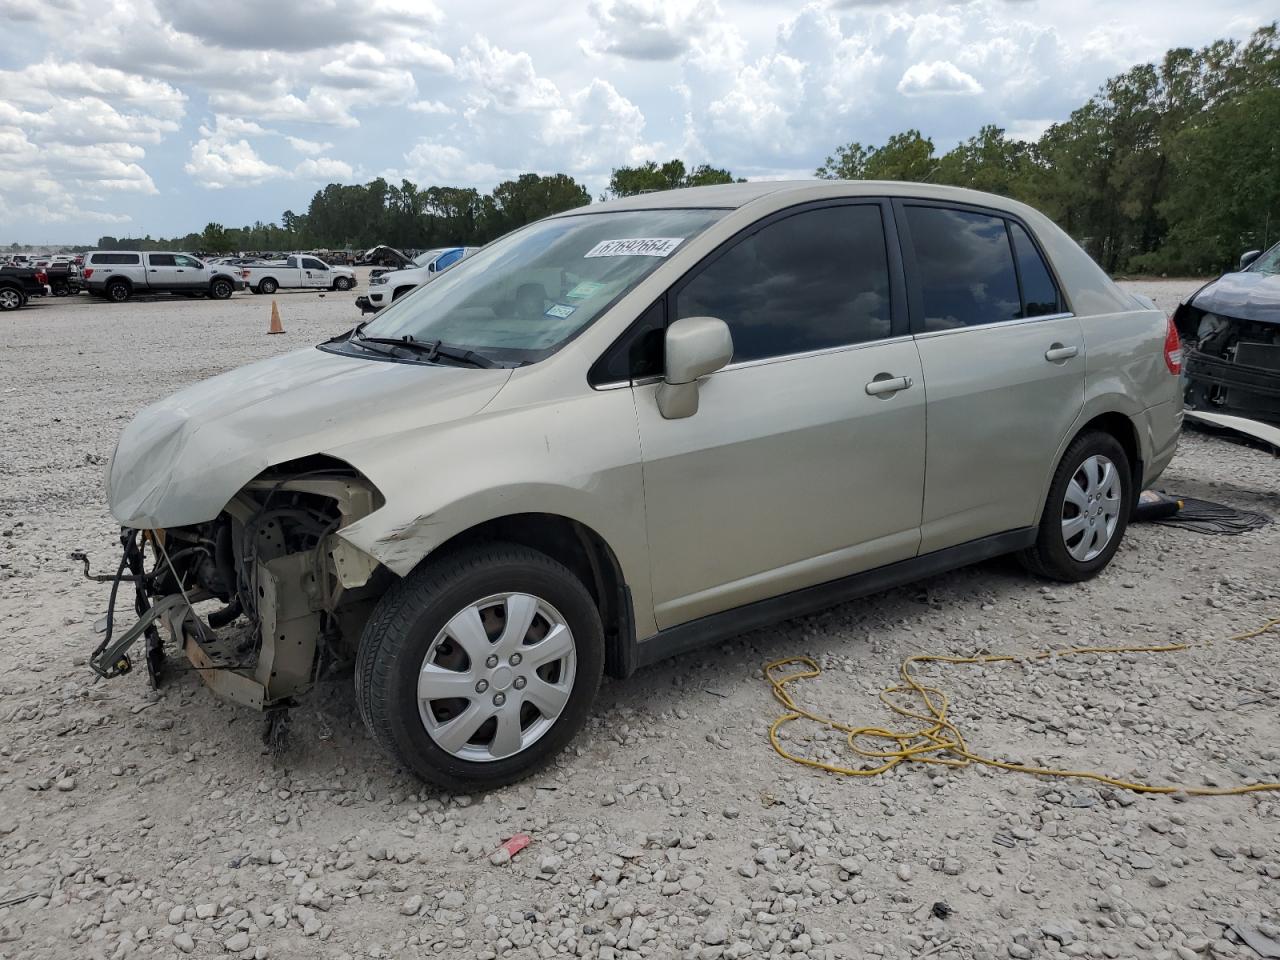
730,623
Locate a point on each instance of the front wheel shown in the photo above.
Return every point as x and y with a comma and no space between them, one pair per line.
342,283
1087,511
480,666
221,289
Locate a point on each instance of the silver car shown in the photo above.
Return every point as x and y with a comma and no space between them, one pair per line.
632,429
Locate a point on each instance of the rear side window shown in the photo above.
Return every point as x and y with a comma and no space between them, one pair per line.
123,259
1039,292
813,280
964,266
161,259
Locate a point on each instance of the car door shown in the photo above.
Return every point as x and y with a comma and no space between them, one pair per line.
315,273
801,464
162,271
191,273
1004,360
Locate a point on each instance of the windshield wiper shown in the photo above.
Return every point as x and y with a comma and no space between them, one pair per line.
429,350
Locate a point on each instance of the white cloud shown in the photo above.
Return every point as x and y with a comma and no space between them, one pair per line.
937,77
220,160
310,147
649,29
430,107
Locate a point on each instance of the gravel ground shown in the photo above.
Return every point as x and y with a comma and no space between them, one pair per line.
156,825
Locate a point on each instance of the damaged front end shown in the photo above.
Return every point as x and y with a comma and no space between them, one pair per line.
260,598
1231,365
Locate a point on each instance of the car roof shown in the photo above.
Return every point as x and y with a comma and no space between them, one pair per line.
731,196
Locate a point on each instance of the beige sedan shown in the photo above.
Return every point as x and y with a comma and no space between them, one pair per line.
632,429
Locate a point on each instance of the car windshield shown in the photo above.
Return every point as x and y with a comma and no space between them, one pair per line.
1269,262
521,297
422,259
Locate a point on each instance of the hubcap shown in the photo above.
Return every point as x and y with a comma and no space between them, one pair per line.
497,677
1091,508
9,298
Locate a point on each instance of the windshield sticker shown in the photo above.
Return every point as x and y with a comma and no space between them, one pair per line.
587,288
634,247
559,310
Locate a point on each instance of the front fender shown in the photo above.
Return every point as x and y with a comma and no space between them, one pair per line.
578,458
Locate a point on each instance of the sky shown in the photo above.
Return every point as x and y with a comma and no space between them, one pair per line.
155,117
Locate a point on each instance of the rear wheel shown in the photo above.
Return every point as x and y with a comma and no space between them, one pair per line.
10,299
221,289
1087,512
118,291
480,666
268,286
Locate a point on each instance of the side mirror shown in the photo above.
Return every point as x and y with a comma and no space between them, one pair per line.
1248,258
695,347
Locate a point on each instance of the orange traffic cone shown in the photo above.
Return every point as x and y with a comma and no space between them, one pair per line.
276,325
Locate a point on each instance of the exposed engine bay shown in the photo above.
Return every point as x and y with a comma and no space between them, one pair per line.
261,598
1230,365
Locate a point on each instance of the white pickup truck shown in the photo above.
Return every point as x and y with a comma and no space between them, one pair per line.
298,271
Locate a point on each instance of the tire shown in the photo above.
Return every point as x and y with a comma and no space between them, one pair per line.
400,293
118,291
221,289
341,283
268,286
1068,548
409,623
11,299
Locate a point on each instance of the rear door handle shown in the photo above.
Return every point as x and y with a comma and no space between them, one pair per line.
1059,352
884,384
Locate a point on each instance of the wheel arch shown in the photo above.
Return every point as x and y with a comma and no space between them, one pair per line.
585,553
1115,423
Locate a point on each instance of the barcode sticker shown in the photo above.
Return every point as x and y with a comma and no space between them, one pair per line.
634,247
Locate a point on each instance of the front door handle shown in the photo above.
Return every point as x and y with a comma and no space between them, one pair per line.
1059,352
885,384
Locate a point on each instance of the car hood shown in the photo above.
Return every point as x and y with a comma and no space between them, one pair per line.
180,461
1244,296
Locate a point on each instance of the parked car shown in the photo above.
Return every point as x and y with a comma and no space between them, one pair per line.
1230,329
18,285
383,258
63,277
391,285
635,428
298,271
120,274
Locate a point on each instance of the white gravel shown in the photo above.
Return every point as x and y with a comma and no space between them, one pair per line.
156,825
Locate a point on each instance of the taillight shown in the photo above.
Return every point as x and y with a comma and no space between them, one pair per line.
42,277
244,274
88,272
1172,349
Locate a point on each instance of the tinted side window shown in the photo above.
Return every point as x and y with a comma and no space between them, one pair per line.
815,279
638,353
160,259
1039,292
309,263
964,267
118,258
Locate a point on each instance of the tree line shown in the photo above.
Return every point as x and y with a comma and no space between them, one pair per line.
1169,167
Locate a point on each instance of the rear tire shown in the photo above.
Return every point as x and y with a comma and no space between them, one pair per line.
1087,511
414,634
11,299
268,286
118,291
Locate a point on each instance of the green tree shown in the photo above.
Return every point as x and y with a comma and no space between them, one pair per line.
672,175
905,156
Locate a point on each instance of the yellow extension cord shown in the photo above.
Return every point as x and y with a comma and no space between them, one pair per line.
940,735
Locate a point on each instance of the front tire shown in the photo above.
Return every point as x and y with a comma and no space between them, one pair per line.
221,289
1087,511
342,283
480,666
